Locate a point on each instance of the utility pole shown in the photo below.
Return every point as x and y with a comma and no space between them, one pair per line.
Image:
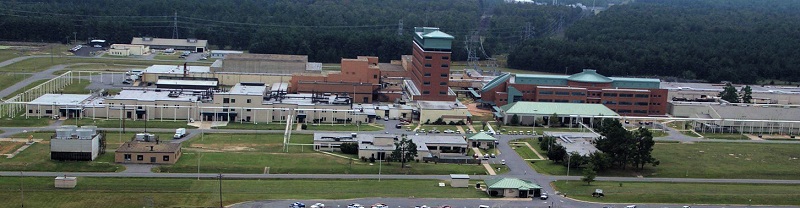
400,28
175,25
220,191
21,188
76,37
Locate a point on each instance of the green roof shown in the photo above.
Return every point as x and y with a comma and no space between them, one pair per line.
562,109
437,34
482,136
496,81
511,183
589,75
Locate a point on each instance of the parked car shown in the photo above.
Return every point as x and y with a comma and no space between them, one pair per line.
355,205
398,126
380,205
448,131
318,205
630,206
543,196
385,118
485,157
297,205
492,155
483,206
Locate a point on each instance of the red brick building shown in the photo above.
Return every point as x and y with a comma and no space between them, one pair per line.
626,96
359,77
430,66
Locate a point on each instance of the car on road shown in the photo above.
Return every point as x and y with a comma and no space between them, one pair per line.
486,157
398,126
630,206
543,196
492,155
355,205
297,205
380,205
503,162
318,205
385,118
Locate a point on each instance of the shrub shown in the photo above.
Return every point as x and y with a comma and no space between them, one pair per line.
349,148
304,126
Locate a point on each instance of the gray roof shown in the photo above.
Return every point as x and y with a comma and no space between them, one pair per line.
168,42
187,82
175,69
61,99
757,112
151,95
440,105
247,89
580,142
420,140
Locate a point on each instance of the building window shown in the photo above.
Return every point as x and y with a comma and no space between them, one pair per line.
609,102
445,66
625,103
30,111
139,157
48,111
445,75
623,111
248,110
428,57
226,100
127,157
609,94
578,94
545,100
639,111
578,101
641,103
249,101
545,92
427,74
561,101
445,58
427,65
443,83
442,92
625,95
642,95
426,92
426,83
166,158
374,76
562,93
233,100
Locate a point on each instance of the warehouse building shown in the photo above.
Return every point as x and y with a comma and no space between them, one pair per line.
740,118
568,113
431,111
268,64
128,50
190,44
221,54
60,105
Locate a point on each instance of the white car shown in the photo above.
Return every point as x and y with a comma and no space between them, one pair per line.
630,206
543,196
318,205
355,205
380,205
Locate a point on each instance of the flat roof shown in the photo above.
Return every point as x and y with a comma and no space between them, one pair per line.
440,105
176,69
152,95
61,99
268,57
308,99
209,83
279,86
137,146
562,109
459,176
420,140
757,112
169,42
226,51
313,66
580,142
247,89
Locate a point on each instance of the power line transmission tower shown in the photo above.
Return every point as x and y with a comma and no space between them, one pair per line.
529,31
400,28
175,26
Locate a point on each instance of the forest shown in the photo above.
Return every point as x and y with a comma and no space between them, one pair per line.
741,41
324,30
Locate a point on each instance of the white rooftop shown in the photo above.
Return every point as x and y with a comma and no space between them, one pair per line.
151,95
226,51
175,69
247,89
187,82
61,99
282,86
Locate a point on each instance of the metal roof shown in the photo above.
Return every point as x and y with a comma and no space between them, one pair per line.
247,89
169,42
175,69
60,99
459,176
562,109
482,136
589,75
496,81
152,95
209,83
511,183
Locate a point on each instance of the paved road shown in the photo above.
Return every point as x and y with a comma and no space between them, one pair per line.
457,203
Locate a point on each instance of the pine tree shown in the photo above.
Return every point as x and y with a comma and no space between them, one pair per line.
747,94
729,93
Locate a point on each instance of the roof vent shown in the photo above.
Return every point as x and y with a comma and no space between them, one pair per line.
191,40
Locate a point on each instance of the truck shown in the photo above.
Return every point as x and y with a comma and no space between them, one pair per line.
179,133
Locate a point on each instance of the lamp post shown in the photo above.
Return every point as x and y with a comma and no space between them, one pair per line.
76,37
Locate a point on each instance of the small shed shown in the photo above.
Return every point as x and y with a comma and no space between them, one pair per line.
459,180
512,187
481,140
66,182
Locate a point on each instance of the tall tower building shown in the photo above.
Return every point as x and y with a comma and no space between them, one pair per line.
430,70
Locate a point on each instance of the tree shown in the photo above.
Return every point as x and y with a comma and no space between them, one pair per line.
642,153
483,123
556,153
747,94
514,119
599,161
349,148
405,150
729,93
574,160
588,176
554,121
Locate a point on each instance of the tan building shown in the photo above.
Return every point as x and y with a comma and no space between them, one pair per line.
190,44
455,111
148,153
153,73
380,146
128,50
268,64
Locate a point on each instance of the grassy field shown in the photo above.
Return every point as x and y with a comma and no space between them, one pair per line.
341,127
131,192
724,136
6,79
253,153
115,123
40,64
683,193
21,121
442,127
523,150
260,126
708,160
37,158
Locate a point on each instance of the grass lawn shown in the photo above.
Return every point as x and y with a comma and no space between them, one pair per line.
523,150
443,127
249,142
682,193
260,126
658,133
727,136
342,127
42,63
708,160
174,56
21,121
115,123
37,158
131,192
6,80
